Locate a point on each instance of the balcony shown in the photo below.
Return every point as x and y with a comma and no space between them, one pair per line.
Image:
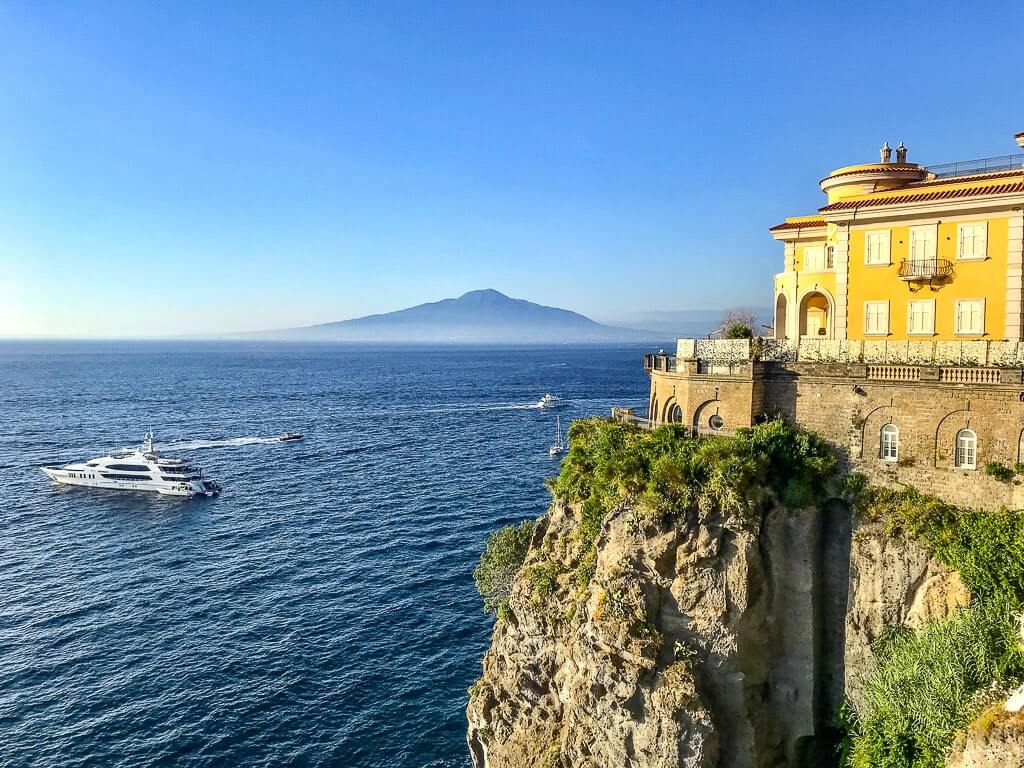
925,269
660,362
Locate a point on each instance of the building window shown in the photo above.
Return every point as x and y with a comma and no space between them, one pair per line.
922,243
716,422
876,318
830,257
814,258
876,247
921,317
890,450
972,241
970,317
966,449
675,414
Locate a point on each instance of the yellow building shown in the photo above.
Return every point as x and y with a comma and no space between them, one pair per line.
902,251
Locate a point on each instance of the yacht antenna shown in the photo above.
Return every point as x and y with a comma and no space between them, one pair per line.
149,441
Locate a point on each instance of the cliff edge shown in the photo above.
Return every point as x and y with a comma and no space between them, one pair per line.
722,608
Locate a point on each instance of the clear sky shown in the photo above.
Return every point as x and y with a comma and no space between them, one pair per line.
183,167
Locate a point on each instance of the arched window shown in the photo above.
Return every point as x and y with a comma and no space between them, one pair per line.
890,443
675,414
966,449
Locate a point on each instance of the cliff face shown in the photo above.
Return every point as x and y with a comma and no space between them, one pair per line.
716,640
997,741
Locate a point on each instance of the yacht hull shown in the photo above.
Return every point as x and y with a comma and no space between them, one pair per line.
67,477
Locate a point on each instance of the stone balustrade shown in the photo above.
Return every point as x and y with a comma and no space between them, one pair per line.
944,354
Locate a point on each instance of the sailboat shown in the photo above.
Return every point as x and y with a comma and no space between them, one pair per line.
557,447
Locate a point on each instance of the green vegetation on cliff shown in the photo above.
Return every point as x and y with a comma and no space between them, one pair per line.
664,472
668,472
501,559
930,684
985,546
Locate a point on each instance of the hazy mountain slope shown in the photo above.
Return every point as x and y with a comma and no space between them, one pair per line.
485,315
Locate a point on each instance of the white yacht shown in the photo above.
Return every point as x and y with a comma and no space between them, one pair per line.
140,470
550,401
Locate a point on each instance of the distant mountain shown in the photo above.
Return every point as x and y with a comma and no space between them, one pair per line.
477,316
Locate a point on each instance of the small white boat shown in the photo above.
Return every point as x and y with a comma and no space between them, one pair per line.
558,447
142,469
550,401
287,437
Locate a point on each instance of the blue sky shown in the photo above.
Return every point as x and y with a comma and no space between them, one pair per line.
188,167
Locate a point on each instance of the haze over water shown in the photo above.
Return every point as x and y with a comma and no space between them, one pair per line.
322,610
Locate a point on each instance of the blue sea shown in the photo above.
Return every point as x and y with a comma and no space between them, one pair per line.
321,611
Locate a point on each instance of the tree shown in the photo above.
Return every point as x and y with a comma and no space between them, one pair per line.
502,558
739,324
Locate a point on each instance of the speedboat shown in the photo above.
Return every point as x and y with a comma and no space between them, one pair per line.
289,436
550,401
141,469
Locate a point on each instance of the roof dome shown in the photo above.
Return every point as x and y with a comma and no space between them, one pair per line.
853,180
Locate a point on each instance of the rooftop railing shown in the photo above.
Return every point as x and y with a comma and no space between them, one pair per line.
984,165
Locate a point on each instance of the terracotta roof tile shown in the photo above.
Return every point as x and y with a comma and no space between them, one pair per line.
922,197
876,167
811,224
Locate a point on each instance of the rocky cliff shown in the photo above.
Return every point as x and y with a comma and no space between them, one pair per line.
706,639
722,641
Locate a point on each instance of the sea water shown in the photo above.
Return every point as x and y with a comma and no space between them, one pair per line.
321,611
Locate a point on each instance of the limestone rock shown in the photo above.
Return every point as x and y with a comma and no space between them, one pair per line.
709,642
995,740
893,581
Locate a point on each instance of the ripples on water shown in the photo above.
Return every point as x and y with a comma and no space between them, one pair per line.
322,610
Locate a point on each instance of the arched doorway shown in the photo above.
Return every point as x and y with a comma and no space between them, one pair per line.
815,316
780,317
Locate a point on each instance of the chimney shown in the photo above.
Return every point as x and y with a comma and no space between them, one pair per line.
886,153
1020,138
901,153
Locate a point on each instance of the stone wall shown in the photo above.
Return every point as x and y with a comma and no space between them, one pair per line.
1009,354
849,403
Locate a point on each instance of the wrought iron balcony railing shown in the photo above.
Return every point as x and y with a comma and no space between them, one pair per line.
925,269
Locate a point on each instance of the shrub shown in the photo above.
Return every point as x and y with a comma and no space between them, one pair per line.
543,579
927,686
739,324
668,471
739,331
502,558
999,471
586,567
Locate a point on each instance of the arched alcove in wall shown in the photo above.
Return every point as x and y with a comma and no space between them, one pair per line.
709,416
780,316
815,319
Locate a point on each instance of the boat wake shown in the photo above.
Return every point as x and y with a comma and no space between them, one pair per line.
474,407
233,442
